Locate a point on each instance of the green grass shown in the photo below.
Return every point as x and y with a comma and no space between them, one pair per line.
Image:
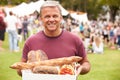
103,66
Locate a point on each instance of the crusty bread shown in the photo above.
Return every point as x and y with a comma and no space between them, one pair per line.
37,55
45,70
51,62
38,63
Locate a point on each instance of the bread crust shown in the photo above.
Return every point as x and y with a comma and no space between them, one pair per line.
45,70
51,62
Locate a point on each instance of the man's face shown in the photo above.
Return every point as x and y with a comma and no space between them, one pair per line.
51,18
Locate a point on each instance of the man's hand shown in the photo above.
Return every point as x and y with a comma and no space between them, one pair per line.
19,72
78,69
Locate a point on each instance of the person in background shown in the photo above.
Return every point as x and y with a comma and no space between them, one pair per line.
86,34
11,21
2,32
2,13
81,27
118,36
97,45
54,41
106,35
19,29
25,27
112,38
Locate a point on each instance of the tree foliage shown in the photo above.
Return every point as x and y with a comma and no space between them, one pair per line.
14,2
114,7
92,7
111,2
3,2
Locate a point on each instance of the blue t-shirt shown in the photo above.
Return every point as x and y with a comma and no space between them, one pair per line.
81,28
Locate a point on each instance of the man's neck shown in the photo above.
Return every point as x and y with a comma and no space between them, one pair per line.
53,34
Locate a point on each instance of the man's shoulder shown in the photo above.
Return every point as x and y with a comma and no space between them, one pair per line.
71,35
35,36
67,32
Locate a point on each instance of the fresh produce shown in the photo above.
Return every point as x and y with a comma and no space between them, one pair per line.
67,69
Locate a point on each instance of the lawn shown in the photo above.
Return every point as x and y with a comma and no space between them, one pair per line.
104,66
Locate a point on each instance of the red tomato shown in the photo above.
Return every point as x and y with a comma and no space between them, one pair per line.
66,70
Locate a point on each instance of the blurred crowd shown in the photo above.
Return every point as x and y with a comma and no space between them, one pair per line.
96,34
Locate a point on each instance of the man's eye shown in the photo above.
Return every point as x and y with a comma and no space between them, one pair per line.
47,16
55,16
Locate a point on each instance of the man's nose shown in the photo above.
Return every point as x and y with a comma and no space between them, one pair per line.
51,19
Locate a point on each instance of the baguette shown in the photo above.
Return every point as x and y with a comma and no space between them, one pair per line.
50,62
59,61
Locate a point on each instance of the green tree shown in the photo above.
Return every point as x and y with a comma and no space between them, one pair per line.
92,7
114,7
3,2
14,2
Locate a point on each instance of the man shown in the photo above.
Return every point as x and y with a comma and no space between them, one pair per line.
54,41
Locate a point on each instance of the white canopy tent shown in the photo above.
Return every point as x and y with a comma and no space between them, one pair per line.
26,9
64,11
20,9
81,17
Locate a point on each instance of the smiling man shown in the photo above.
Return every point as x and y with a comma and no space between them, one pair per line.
54,41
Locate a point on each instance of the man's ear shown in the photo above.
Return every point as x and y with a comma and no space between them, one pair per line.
61,21
40,18
61,18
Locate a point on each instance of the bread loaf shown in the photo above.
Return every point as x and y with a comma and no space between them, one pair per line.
45,70
37,55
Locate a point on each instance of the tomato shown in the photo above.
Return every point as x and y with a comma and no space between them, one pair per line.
66,70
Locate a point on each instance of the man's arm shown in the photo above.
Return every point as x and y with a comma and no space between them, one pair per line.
19,71
84,66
